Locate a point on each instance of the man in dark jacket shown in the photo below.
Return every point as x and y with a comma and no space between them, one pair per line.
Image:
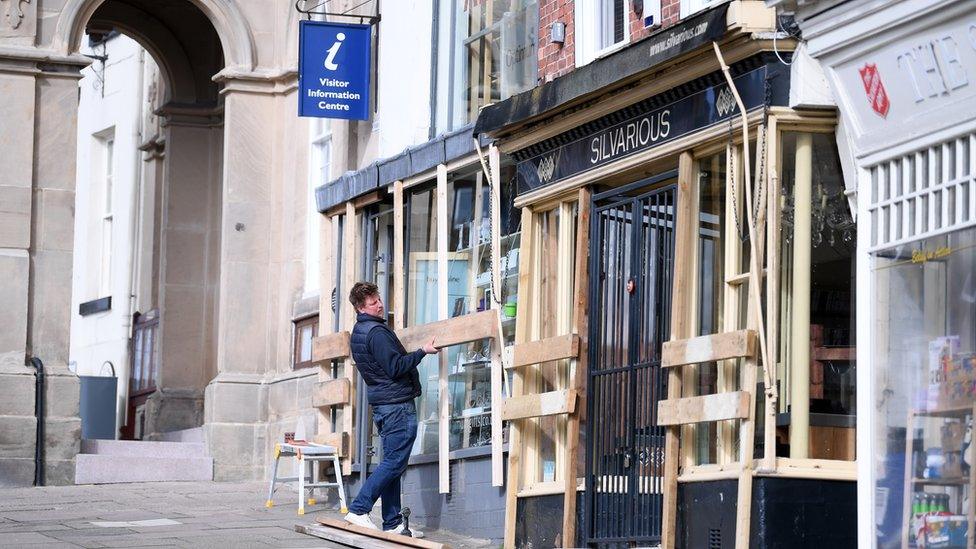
392,384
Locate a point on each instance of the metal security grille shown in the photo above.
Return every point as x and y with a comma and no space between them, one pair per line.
924,193
631,257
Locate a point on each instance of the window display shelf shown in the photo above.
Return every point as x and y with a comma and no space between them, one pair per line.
957,481
955,411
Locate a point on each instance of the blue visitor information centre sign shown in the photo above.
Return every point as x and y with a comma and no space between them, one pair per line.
333,70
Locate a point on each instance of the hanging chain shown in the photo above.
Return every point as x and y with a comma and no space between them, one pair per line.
762,145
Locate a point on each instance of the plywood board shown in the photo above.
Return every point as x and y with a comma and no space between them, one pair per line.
546,350
381,535
330,346
709,348
699,409
331,393
544,404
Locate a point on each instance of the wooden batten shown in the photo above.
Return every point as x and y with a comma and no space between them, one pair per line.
330,346
546,350
390,539
331,393
699,409
709,348
537,405
453,331
339,441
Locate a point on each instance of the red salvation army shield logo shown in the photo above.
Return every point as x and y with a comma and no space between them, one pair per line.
874,89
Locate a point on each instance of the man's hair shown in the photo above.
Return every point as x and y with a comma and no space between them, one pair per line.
360,292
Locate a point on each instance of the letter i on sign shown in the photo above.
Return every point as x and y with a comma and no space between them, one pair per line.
330,59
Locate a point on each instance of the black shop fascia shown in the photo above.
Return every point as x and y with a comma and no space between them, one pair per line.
761,81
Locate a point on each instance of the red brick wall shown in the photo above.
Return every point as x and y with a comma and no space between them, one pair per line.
556,60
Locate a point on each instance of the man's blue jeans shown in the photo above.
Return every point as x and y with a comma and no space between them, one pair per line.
397,426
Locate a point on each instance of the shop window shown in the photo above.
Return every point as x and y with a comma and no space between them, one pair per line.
550,314
601,26
492,55
469,290
305,331
422,302
924,353
721,292
817,342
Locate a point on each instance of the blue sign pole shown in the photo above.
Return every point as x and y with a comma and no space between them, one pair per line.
333,70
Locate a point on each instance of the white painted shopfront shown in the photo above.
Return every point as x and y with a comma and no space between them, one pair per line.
904,76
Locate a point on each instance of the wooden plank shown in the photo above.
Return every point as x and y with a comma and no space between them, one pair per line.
453,331
709,348
773,265
330,346
444,411
350,258
700,409
399,278
497,373
379,534
339,441
521,335
343,537
546,350
573,465
684,245
331,393
538,405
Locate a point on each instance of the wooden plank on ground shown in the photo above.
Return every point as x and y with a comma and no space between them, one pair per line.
339,441
699,409
453,331
543,404
709,348
331,393
381,535
330,346
546,350
345,538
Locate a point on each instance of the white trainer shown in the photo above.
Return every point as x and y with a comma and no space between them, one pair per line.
399,530
360,520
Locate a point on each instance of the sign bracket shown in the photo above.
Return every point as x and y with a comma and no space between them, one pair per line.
301,7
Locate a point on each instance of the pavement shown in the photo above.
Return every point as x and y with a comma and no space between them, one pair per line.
165,514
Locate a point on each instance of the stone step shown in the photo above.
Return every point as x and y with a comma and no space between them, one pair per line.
185,435
145,448
109,469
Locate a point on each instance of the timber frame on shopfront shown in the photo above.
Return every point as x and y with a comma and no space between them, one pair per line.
548,363
684,351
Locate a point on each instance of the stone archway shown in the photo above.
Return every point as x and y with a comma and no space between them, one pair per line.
244,106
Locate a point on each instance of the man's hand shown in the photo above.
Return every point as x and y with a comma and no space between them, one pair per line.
429,348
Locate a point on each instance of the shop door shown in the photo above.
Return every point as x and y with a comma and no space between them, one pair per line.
631,266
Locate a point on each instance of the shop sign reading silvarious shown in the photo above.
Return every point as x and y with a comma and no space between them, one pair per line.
649,129
333,70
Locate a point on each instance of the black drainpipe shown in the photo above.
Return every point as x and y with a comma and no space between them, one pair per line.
39,414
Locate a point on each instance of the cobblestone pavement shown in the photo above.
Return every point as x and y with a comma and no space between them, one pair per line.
161,514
